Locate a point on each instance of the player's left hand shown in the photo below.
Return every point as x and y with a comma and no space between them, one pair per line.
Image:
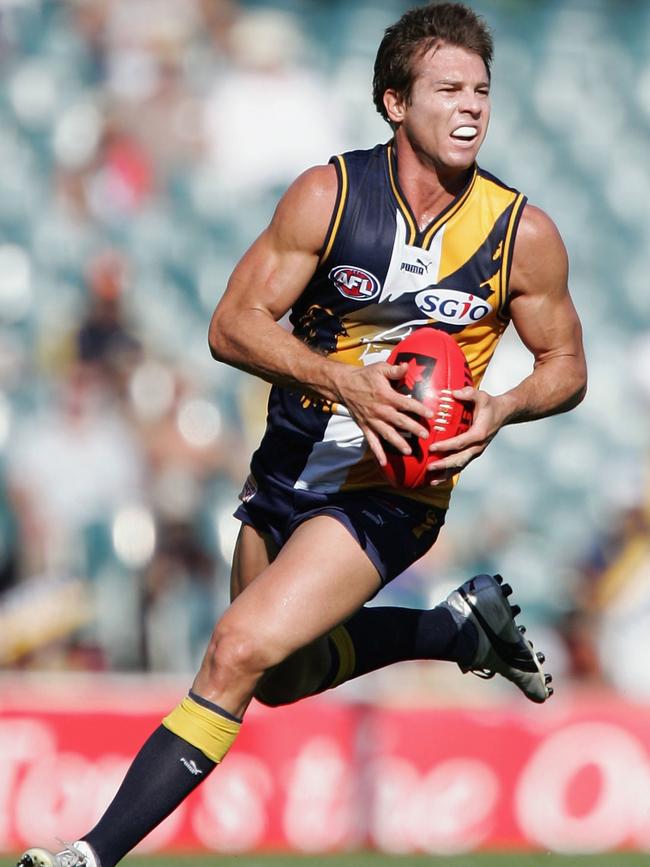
457,452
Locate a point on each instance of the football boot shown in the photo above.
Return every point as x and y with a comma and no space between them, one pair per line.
72,855
502,648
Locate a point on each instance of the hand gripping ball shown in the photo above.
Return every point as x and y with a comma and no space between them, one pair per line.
436,367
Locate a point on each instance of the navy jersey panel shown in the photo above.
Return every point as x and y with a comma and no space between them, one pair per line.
366,234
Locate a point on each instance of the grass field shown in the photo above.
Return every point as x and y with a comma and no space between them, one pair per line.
371,859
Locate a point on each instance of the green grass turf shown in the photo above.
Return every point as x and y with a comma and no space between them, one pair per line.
371,859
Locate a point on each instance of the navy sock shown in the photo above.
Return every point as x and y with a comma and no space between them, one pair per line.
382,636
162,775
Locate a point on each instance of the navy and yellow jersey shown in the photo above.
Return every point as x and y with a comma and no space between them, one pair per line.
378,278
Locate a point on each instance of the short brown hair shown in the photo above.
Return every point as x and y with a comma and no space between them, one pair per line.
414,34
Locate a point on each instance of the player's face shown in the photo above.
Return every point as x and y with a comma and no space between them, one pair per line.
447,116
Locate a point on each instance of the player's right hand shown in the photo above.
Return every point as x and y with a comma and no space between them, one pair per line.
382,413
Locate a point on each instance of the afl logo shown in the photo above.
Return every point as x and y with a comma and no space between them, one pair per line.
449,305
355,283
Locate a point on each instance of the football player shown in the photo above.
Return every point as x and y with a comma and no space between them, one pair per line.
361,251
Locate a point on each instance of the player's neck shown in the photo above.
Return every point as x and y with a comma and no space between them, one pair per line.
428,188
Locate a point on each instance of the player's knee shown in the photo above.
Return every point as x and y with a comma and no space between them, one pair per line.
235,654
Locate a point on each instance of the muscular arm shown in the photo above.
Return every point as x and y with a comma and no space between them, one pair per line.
265,284
544,316
245,333
547,323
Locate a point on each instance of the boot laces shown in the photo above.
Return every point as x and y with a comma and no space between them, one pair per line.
70,856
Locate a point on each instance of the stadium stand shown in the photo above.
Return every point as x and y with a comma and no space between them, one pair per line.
127,193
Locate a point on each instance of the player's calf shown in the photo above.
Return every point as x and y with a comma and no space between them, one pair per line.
300,675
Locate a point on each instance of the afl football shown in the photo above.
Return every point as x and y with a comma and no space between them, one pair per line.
436,367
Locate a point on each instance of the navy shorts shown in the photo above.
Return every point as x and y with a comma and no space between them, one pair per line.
393,530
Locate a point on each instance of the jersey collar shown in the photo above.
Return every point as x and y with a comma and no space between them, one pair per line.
424,237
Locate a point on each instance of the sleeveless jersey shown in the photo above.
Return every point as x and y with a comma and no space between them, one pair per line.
378,278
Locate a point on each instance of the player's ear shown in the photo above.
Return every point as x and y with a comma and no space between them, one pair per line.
395,105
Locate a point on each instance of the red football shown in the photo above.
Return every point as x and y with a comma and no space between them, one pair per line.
436,367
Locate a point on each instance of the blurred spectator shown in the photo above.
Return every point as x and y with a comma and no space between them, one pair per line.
268,116
185,437
144,50
55,609
108,180
219,17
104,340
609,629
89,19
70,464
180,599
188,447
166,120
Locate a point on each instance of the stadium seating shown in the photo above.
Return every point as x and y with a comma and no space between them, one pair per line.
571,127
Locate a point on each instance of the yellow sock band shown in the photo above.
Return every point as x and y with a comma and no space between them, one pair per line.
341,640
205,729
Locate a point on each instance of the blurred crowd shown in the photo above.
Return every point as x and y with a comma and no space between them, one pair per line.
124,446
143,144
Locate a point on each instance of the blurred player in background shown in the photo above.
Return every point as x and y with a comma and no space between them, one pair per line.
361,251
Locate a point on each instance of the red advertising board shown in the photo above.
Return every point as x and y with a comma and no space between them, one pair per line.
325,775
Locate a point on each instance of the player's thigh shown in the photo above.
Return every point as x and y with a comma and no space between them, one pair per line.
254,551
318,579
